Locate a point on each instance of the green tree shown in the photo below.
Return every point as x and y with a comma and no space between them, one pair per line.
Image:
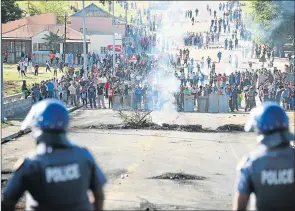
53,40
10,11
41,7
272,22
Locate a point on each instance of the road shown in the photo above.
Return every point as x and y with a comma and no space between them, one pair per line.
142,154
129,158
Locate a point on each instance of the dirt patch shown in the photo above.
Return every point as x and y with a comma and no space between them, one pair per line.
11,87
178,176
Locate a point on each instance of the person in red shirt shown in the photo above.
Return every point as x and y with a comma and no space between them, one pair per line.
5,56
51,57
107,86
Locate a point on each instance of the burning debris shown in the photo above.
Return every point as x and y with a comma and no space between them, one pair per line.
135,118
178,176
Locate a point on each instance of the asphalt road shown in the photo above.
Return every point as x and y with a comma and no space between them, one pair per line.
143,154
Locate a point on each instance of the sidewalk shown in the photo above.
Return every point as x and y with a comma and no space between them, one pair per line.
10,131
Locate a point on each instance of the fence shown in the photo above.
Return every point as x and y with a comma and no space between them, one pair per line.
213,103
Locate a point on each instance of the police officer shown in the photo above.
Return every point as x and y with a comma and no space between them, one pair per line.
59,175
268,172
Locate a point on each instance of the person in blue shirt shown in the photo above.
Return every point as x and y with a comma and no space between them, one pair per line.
268,171
138,96
60,174
50,89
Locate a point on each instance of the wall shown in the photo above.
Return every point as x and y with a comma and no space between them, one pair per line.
98,41
17,107
97,24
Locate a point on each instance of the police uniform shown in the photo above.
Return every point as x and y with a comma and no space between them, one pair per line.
269,170
59,175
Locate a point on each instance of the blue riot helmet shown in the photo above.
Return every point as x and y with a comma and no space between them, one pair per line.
49,114
271,123
47,118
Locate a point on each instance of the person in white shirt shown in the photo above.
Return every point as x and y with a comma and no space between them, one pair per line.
202,63
22,68
194,92
57,56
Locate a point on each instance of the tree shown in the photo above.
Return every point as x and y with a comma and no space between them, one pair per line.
41,7
10,11
272,22
53,40
32,9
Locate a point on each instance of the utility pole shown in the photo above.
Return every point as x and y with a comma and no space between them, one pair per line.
114,61
126,17
65,40
84,44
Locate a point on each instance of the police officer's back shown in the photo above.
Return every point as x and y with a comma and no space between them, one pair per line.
268,172
60,174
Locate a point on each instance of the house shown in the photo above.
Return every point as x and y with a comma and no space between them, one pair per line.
97,21
100,28
28,36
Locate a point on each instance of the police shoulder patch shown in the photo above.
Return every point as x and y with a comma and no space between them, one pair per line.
242,162
18,164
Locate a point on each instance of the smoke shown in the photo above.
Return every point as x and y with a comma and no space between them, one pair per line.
163,79
276,31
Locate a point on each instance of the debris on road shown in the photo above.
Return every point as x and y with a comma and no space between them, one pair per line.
166,127
230,128
178,176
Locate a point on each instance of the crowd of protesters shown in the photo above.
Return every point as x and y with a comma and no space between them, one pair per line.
132,71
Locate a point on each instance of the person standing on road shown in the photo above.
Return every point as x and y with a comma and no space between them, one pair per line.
35,93
73,91
60,174
225,44
50,89
219,56
91,95
84,97
268,172
209,62
100,97
111,95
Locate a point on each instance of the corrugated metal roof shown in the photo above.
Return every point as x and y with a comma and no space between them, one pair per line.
100,13
29,31
92,6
